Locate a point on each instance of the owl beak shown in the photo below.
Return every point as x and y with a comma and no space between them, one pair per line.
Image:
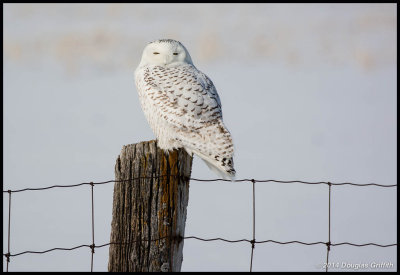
166,60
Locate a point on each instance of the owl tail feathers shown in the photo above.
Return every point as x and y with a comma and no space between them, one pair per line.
222,169
225,174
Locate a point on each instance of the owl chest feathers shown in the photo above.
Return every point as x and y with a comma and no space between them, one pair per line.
177,99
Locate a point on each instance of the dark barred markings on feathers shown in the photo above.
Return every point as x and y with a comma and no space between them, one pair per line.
165,41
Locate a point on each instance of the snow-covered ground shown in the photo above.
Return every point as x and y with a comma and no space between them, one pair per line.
308,92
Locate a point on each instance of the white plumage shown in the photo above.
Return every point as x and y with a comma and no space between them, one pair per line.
182,105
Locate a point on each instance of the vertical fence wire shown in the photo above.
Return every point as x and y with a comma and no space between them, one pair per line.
254,225
93,245
9,222
328,244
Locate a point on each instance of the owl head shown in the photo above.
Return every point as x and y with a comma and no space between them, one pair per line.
165,52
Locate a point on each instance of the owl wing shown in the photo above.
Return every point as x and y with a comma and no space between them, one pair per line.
183,96
184,102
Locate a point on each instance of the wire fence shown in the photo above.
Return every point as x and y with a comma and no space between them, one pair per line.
253,241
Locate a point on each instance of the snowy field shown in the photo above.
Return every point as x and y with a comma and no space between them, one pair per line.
308,92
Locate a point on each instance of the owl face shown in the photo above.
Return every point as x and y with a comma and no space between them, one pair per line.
165,52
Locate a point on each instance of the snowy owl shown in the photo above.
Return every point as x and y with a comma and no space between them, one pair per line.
182,105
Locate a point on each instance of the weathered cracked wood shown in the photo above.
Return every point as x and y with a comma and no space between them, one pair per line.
151,206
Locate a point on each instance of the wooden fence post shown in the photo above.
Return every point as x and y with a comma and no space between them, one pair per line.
149,211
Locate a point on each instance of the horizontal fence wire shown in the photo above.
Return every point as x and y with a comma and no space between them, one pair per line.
201,239
252,242
201,180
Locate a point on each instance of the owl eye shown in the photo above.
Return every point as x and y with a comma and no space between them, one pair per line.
156,53
175,53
